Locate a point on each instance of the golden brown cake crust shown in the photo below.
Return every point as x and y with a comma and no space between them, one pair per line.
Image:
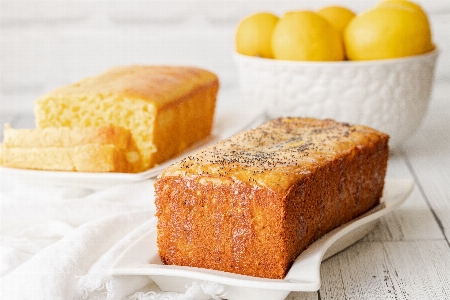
157,84
252,203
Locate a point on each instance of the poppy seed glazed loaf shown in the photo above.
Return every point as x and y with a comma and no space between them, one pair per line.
166,108
252,203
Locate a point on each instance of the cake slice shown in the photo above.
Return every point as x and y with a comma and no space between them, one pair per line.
252,203
166,108
90,149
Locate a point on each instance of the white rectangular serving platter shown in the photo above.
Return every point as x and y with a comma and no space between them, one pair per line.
142,258
226,123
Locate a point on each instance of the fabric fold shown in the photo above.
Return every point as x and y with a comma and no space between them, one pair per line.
60,243
52,273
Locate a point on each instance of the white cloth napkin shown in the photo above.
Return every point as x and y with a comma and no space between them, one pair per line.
60,243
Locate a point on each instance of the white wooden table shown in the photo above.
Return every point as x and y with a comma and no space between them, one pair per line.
407,256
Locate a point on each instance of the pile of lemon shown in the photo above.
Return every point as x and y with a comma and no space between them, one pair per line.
391,29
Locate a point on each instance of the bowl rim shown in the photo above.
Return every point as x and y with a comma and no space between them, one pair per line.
432,53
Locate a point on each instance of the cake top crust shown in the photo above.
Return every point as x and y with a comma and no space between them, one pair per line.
291,147
160,85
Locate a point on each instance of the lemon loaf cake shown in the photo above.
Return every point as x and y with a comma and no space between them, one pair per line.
166,108
89,149
252,203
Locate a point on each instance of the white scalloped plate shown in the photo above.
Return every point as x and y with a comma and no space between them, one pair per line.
226,123
142,258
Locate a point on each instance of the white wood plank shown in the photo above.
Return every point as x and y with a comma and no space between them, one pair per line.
437,193
411,221
421,268
363,273
388,270
332,284
428,153
302,296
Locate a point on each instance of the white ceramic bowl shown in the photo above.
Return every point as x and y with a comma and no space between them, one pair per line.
389,95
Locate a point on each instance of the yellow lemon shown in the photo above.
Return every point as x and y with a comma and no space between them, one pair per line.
394,28
254,34
404,4
338,16
304,35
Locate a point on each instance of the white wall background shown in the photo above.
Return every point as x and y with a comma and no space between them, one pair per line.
44,44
